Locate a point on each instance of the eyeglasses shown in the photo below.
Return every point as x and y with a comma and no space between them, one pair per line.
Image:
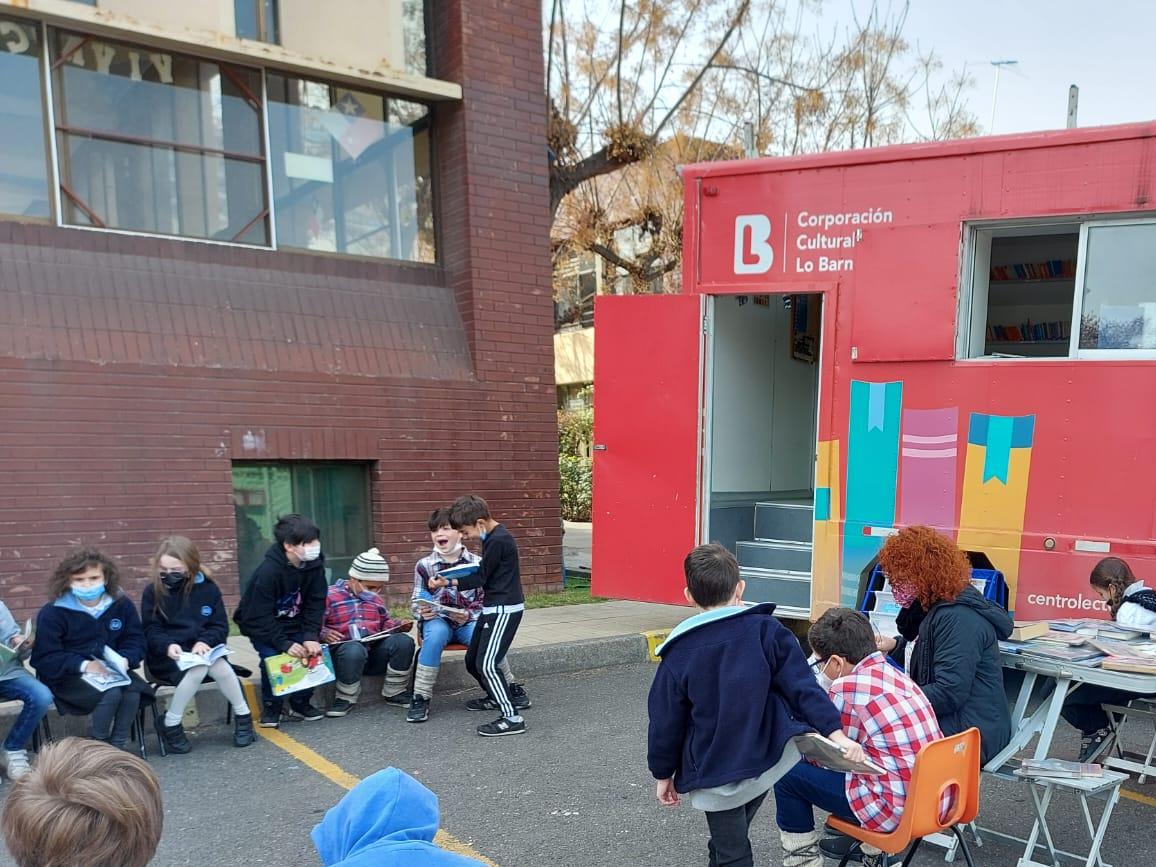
819,664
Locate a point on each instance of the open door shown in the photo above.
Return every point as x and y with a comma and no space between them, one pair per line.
647,445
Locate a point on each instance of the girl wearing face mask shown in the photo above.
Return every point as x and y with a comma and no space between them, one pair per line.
88,613
183,612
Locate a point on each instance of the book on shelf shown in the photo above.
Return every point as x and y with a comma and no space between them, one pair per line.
1058,769
828,754
1026,629
1050,269
1029,332
189,660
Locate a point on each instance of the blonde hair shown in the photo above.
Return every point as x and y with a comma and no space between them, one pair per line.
84,802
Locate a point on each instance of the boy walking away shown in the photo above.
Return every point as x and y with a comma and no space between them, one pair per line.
500,580
282,607
354,609
886,713
732,688
439,628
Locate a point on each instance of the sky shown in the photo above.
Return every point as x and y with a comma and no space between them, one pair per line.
1106,48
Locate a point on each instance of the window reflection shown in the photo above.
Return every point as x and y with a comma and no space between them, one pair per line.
24,167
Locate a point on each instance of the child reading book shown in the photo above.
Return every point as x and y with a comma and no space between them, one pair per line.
354,610
18,684
88,641
454,622
1131,604
500,579
731,691
184,623
882,709
281,610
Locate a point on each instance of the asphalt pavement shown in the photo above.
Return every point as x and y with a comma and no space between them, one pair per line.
572,792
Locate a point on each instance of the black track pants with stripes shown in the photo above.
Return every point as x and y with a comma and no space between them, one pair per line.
492,636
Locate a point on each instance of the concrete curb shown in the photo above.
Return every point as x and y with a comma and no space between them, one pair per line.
210,707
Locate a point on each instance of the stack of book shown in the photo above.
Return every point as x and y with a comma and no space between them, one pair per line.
1138,658
1047,270
1058,769
1029,331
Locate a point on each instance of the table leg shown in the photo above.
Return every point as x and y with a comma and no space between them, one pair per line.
1042,721
1097,832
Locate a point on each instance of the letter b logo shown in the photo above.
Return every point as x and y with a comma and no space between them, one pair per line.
753,251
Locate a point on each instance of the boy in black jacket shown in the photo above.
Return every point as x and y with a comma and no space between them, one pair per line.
282,607
732,690
500,579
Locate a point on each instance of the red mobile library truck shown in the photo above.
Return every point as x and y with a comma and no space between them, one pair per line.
955,334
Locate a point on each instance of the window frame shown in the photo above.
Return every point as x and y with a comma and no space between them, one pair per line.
976,238
1074,350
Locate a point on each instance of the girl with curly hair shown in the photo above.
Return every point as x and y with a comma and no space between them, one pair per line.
955,654
88,613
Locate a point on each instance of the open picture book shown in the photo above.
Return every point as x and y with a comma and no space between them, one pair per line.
439,607
355,634
288,674
189,660
22,647
117,675
828,754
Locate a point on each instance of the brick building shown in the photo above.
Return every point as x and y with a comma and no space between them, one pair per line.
258,259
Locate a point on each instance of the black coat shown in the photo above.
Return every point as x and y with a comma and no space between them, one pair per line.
956,662
182,620
283,600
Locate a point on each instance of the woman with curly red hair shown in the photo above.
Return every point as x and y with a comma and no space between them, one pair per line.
955,654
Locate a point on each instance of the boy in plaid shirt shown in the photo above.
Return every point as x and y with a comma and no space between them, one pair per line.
882,709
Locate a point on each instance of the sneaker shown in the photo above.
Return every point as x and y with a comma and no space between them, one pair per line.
175,739
340,707
418,709
838,845
1092,745
879,860
270,717
402,699
517,696
306,712
18,764
502,726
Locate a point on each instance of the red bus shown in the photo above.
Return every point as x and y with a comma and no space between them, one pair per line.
956,334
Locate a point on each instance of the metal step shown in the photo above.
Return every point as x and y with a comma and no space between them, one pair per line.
775,556
785,522
788,590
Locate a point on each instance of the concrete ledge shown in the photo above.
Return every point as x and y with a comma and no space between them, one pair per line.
210,707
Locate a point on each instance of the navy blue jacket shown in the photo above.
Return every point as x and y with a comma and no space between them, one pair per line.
282,601
732,688
67,636
183,620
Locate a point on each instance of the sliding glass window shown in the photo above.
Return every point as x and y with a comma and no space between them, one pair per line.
351,170
24,184
158,142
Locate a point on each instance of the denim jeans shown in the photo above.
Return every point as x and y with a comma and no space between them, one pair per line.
352,659
804,787
264,651
436,634
37,700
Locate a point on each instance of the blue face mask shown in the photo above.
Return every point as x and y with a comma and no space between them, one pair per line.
89,594
483,534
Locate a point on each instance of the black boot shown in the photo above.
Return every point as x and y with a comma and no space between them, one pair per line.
175,738
243,734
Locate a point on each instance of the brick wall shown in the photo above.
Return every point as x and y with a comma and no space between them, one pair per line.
132,369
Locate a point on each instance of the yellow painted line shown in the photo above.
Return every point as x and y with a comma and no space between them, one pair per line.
1136,796
654,638
339,776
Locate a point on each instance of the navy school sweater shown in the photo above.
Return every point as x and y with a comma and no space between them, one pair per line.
183,619
732,688
499,575
282,600
68,636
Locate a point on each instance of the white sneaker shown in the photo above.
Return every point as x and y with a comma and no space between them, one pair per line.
17,764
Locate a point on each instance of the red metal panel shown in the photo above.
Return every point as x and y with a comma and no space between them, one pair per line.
647,392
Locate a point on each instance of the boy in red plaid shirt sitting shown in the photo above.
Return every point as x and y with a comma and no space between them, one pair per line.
882,709
353,610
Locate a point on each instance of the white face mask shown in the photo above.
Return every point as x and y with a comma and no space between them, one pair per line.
310,552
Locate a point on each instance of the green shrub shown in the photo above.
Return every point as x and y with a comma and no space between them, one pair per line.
575,431
577,487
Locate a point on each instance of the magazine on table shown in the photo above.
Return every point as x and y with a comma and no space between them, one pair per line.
288,674
117,675
828,754
22,648
189,660
1085,655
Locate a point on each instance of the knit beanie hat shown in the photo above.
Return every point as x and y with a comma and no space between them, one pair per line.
371,567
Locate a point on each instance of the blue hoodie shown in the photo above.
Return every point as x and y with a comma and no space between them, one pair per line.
387,819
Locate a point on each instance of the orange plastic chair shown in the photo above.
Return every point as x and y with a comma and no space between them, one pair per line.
946,763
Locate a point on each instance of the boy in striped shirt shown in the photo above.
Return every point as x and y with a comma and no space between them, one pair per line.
882,709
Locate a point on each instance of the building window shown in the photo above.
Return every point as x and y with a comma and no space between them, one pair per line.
1067,289
24,181
351,170
415,30
258,20
334,495
158,142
